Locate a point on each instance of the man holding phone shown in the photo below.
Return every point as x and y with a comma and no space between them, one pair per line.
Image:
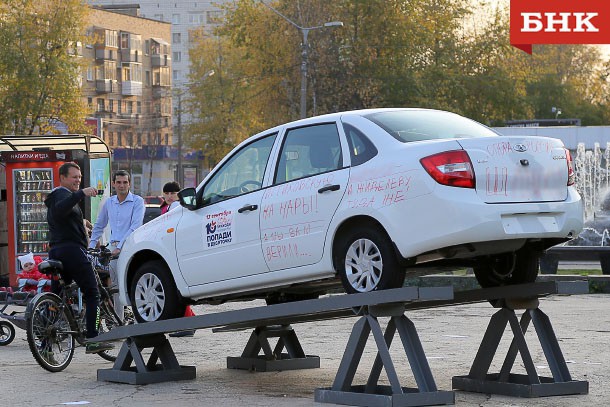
68,242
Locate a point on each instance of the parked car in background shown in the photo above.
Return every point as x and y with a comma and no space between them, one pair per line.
151,211
354,199
152,199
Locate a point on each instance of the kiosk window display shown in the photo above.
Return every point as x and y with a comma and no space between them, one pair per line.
31,171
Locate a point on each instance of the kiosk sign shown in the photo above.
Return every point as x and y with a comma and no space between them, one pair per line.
28,156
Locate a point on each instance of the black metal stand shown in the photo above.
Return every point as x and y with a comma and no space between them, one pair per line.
373,394
273,360
146,372
510,384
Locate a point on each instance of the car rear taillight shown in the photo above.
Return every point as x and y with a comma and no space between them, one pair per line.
452,168
571,176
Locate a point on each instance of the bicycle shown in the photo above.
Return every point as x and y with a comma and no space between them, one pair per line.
55,323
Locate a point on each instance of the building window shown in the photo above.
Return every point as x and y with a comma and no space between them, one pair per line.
124,40
100,105
90,73
166,139
175,18
147,47
158,17
177,56
196,18
119,139
176,38
132,72
139,107
139,139
147,78
129,107
89,102
111,105
175,74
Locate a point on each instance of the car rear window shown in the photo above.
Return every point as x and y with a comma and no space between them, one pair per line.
416,125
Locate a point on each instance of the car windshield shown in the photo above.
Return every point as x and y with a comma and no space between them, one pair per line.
415,125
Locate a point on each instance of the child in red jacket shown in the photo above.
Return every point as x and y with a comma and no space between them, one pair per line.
30,279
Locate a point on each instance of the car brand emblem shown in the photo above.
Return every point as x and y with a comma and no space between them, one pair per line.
520,148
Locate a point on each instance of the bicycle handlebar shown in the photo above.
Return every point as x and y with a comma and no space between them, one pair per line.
103,252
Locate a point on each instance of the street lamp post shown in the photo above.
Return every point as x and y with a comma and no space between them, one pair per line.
304,53
179,94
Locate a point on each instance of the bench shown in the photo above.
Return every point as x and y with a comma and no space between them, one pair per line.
550,260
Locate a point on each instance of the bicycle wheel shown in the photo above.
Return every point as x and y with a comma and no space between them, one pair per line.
7,333
108,320
48,331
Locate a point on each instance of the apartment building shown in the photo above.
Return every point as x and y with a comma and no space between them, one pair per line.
128,82
186,19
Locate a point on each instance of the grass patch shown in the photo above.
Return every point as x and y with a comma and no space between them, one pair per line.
579,272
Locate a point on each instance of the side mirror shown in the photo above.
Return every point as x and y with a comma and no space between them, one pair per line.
188,198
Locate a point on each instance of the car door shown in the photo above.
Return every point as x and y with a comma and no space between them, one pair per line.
309,183
221,240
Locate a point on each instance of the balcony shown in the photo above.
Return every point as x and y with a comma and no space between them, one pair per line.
130,55
106,54
105,86
131,88
161,91
160,60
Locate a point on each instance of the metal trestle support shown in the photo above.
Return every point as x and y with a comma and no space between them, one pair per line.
273,360
146,372
520,385
372,393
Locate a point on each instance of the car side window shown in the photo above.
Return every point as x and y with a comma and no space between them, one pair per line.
361,149
309,151
242,173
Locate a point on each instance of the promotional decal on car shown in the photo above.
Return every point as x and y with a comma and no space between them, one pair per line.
218,228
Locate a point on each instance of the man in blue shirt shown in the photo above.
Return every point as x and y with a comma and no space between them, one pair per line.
124,212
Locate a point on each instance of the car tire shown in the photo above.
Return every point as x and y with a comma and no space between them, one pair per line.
366,261
154,295
518,267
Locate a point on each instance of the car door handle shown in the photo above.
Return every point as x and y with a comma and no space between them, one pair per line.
329,188
247,208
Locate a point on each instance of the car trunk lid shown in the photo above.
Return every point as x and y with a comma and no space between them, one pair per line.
518,169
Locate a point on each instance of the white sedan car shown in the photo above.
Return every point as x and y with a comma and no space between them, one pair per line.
354,199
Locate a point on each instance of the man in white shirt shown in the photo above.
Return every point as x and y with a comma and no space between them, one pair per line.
124,212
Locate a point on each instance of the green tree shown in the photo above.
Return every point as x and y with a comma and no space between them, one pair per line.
39,71
389,53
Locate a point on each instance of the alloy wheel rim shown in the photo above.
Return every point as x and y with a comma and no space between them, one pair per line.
363,265
149,297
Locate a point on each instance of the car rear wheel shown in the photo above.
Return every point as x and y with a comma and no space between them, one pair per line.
518,267
154,295
366,261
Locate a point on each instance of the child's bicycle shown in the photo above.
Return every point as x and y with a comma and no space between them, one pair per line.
55,323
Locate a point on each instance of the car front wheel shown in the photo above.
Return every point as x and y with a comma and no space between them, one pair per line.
518,267
366,262
154,295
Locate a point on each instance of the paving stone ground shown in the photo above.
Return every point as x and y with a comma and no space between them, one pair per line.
450,337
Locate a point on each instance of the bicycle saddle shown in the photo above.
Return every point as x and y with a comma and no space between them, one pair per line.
50,266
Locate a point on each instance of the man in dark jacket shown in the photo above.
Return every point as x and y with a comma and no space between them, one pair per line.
68,242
